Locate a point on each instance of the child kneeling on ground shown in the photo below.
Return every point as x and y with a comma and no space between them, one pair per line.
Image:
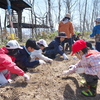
55,47
37,54
7,65
23,57
89,64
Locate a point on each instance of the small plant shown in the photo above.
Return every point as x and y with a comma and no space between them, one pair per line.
52,35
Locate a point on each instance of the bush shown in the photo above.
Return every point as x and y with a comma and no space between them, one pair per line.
52,35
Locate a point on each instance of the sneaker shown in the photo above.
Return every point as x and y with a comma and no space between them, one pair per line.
88,93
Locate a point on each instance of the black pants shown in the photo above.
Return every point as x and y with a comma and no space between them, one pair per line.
91,79
97,46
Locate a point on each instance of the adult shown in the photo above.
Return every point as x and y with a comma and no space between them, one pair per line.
96,33
66,26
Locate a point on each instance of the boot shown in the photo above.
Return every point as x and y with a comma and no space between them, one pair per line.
91,91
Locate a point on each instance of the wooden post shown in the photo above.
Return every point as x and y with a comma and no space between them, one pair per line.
19,24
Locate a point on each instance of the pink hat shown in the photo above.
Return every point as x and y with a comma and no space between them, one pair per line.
78,45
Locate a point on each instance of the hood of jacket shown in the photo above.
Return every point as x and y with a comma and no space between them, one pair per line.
92,52
3,50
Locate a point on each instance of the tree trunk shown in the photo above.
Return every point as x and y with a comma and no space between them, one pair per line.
49,15
84,20
59,4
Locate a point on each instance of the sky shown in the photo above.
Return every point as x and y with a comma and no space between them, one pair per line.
40,9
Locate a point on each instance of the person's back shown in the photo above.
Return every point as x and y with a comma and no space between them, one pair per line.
96,33
52,49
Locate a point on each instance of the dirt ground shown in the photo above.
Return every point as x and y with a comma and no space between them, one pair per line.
47,83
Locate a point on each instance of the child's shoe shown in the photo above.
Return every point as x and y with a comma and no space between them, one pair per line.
89,93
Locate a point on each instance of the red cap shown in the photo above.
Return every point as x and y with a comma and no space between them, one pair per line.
78,45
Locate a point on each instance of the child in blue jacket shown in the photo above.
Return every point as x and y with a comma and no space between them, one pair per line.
55,47
23,57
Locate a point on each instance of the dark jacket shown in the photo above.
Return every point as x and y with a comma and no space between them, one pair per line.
23,59
54,48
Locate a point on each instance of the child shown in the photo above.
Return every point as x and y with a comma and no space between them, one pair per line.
77,37
37,54
7,65
23,57
42,43
55,47
89,45
89,64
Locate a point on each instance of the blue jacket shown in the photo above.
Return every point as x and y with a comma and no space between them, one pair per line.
96,30
24,58
53,47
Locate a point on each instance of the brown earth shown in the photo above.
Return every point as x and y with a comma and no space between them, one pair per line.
47,83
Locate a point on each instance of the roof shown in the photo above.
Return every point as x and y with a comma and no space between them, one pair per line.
15,4
26,25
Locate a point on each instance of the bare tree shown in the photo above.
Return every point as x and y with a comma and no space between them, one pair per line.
55,10
49,15
95,12
80,15
59,12
84,18
32,12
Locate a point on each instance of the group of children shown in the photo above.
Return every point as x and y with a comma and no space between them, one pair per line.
17,59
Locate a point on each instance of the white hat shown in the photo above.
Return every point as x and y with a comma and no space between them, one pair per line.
68,15
13,44
43,42
97,19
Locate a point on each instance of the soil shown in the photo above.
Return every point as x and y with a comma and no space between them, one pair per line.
47,83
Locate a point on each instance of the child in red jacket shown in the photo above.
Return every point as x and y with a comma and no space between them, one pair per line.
7,65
